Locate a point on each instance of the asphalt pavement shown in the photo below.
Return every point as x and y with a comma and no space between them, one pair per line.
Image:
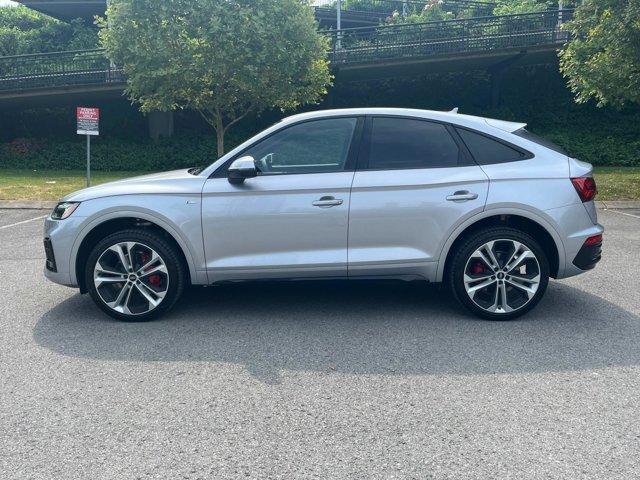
329,380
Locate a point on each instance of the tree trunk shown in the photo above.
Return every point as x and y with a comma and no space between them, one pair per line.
219,127
220,141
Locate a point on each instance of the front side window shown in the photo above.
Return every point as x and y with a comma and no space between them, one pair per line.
402,143
486,150
311,147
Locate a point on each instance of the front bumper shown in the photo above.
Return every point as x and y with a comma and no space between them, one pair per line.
59,238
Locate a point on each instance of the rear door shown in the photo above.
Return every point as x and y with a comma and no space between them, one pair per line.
414,183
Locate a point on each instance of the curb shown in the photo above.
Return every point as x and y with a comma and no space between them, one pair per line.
27,205
48,205
618,205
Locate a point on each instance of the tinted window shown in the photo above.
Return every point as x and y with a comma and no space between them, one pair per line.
398,143
532,137
486,150
310,147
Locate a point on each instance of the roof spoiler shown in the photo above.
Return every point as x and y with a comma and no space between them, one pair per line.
504,125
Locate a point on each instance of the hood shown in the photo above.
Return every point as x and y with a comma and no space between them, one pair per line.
174,182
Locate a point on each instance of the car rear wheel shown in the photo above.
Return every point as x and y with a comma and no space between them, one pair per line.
134,275
499,273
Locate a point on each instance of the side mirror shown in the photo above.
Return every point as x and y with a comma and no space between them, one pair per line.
241,169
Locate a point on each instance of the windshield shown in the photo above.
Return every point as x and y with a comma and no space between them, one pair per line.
532,137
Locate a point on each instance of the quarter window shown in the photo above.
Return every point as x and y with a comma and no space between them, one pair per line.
487,151
401,143
311,147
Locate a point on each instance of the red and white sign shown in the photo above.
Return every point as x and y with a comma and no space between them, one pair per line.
88,120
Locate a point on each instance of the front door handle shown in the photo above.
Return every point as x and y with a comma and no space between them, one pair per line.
327,202
462,196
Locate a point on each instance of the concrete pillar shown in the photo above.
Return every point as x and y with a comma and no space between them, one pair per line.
496,87
160,124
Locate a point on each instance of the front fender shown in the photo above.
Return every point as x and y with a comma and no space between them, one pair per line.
181,219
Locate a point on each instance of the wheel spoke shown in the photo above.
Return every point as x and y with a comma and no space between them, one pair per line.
529,286
489,250
158,268
122,299
154,259
483,283
149,295
512,265
122,255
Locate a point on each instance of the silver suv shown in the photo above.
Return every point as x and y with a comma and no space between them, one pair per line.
481,205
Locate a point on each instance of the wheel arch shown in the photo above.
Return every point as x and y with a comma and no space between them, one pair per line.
531,223
114,222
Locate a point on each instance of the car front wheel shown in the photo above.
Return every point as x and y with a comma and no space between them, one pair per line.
134,275
499,273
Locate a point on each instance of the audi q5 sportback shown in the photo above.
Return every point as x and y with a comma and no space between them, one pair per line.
481,205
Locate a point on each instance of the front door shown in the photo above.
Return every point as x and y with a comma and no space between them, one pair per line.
290,221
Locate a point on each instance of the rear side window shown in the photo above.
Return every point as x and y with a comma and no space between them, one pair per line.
400,143
532,137
486,150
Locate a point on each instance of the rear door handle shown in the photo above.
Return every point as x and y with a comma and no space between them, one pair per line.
327,202
462,196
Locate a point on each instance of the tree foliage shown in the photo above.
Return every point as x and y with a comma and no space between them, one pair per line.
23,30
222,58
603,59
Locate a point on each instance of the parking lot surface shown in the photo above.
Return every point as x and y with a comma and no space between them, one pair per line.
320,380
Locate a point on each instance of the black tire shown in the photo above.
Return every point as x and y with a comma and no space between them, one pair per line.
176,273
464,251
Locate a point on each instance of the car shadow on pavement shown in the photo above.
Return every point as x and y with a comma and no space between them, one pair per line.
352,327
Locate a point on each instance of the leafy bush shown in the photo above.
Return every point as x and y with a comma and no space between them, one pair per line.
109,154
23,30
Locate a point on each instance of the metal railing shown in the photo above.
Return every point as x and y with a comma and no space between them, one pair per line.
57,69
379,43
383,8
356,46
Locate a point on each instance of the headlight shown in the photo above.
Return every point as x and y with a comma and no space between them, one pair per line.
64,210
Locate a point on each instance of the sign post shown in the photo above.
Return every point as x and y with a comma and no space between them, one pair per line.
88,120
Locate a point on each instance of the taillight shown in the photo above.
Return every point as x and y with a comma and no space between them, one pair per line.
591,241
586,188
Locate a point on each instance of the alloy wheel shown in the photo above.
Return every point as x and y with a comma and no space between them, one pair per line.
131,278
502,276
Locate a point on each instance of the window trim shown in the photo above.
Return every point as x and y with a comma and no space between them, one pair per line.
526,154
464,158
349,164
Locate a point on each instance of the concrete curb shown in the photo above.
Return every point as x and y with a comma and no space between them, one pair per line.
27,205
48,205
618,204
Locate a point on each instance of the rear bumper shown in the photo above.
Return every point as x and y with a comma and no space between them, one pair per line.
588,256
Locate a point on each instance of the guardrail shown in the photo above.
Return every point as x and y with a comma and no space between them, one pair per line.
57,69
370,44
383,8
356,46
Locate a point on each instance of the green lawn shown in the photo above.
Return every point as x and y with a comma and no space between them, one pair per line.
50,184
614,183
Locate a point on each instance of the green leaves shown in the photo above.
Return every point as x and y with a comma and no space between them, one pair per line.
23,30
603,60
223,58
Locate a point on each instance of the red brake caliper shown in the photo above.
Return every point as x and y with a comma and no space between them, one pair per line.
477,268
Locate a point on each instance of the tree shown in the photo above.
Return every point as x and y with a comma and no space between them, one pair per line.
23,30
602,61
222,58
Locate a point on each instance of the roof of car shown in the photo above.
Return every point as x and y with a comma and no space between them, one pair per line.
453,117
